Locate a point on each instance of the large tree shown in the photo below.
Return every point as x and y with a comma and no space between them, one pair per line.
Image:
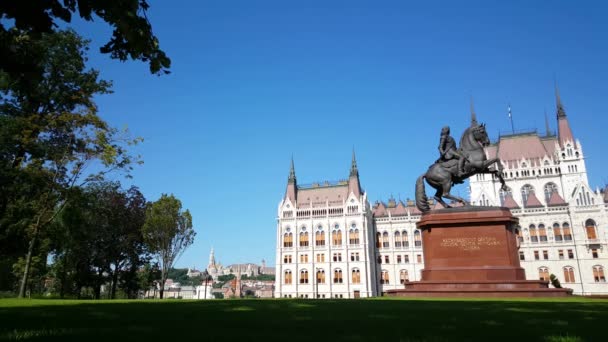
132,35
167,232
52,134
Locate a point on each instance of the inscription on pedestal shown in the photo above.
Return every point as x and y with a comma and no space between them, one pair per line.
470,243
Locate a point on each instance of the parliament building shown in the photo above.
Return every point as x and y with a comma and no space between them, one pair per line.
331,243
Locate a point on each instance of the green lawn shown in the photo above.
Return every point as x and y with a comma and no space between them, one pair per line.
379,319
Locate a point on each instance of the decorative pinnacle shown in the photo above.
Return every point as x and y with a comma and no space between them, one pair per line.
292,173
561,113
353,166
473,115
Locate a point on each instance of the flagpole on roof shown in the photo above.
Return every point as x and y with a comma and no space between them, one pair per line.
511,119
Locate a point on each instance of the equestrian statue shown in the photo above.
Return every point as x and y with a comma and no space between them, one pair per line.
457,164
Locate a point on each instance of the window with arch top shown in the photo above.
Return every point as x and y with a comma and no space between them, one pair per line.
568,274
590,228
549,188
526,191
598,274
303,277
353,235
503,194
336,237
287,277
356,276
543,273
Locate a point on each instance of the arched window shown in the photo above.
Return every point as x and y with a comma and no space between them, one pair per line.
405,242
598,274
557,232
353,236
303,239
378,238
303,277
503,194
533,234
287,277
549,189
338,276
403,277
542,233
384,277
288,240
520,234
417,239
397,240
543,273
336,237
591,229
526,191
568,274
320,238
356,276
566,231
320,276
385,242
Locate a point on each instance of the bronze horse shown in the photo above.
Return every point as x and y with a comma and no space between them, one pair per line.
443,175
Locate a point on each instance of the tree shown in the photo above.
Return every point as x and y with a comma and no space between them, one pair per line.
167,232
52,134
132,35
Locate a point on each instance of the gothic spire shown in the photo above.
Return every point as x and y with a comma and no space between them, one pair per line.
561,113
292,173
473,115
353,167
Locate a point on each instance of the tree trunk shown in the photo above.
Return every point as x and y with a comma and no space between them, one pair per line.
114,281
28,263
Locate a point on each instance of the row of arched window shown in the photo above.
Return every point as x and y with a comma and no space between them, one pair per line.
400,239
385,278
561,233
598,274
320,236
527,190
321,279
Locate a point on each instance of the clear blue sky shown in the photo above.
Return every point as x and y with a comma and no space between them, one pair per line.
254,82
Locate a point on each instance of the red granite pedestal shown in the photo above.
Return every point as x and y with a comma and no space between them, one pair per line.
472,252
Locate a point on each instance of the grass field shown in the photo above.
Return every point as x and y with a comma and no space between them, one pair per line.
305,320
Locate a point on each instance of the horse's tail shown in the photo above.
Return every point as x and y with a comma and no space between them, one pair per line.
422,202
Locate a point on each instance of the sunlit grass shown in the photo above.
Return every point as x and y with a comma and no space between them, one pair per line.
378,319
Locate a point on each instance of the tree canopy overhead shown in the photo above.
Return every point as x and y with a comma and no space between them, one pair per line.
132,35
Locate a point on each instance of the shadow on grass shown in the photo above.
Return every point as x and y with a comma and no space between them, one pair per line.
304,320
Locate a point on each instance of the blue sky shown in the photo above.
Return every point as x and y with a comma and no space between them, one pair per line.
254,82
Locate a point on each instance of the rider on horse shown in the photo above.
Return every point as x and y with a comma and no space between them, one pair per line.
448,151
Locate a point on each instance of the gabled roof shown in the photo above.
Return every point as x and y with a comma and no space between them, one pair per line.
510,202
556,200
533,201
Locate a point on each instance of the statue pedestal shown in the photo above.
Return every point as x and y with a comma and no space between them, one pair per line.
472,252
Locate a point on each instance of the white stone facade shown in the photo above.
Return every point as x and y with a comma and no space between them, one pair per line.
563,223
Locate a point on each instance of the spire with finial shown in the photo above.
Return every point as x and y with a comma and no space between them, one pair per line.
473,115
292,173
353,166
564,132
561,113
292,187
354,185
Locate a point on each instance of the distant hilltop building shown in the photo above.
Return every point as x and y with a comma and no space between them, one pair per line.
331,243
251,270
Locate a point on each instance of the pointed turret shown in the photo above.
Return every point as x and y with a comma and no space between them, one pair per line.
563,126
211,258
353,180
292,186
473,115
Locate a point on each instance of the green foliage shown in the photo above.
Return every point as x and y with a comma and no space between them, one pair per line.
226,277
132,35
554,281
51,133
260,277
167,232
